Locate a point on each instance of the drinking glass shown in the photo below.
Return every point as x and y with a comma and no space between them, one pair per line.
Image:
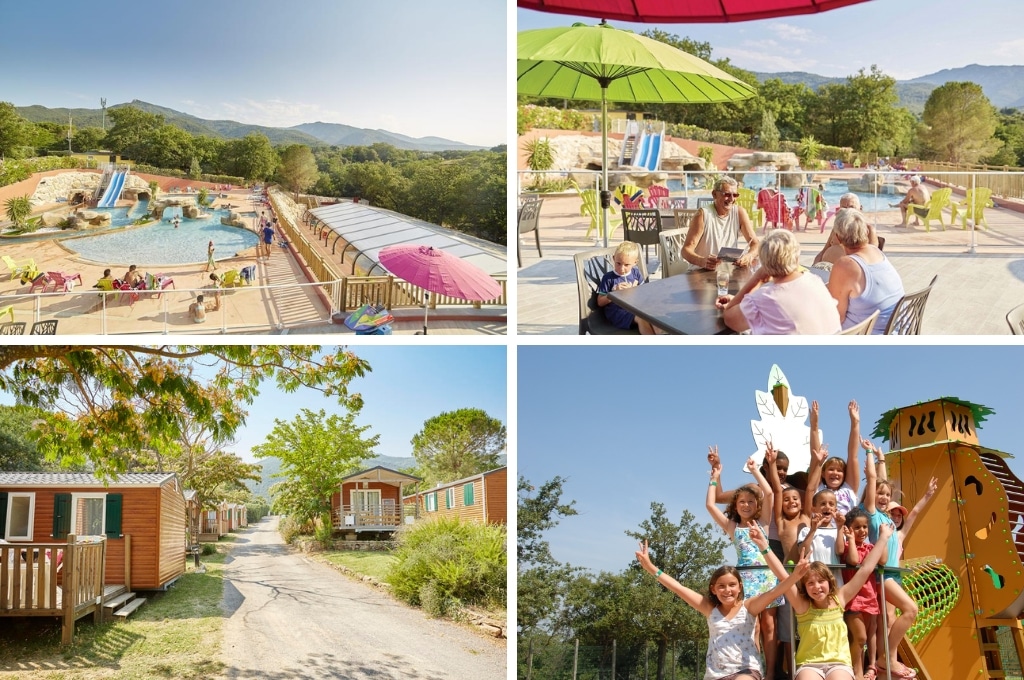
722,275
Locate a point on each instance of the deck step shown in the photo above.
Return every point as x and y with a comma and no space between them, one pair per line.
116,602
130,607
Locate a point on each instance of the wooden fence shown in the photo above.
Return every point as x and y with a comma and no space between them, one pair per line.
1004,181
29,576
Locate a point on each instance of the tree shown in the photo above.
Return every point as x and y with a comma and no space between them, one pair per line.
316,451
251,157
457,444
541,578
14,130
298,169
108,402
959,123
18,451
132,131
88,139
769,133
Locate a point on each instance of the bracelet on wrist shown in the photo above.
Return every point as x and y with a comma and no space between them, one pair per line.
765,551
658,575
713,483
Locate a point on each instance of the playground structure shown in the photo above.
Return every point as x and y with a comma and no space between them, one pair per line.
978,533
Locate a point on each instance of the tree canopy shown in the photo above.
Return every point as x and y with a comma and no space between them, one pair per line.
542,579
457,444
959,123
298,171
107,403
316,450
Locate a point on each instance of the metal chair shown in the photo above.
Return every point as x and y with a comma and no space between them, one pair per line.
672,252
591,266
642,227
12,328
1015,317
864,327
703,201
48,327
529,220
909,311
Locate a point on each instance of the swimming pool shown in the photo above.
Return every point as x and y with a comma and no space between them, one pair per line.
161,243
834,189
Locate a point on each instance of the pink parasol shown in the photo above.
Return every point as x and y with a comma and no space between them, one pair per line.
436,271
690,12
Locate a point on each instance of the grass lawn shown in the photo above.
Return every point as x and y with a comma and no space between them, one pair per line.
365,562
176,634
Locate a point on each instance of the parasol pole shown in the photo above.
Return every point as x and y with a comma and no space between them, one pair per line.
605,194
426,309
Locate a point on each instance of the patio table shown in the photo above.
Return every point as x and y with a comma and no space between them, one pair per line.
683,304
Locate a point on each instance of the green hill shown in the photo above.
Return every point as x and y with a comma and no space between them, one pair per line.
310,134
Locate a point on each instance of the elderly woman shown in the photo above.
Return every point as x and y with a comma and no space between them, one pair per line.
863,280
718,226
779,298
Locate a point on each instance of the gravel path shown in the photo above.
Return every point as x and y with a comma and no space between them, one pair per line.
287,616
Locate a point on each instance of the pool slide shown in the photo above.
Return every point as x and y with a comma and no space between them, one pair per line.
113,191
648,154
643,147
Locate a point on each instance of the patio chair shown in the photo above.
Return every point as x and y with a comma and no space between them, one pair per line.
48,327
747,201
591,265
529,220
655,193
64,282
127,291
972,207
864,327
232,279
38,282
158,282
909,311
591,205
9,309
642,227
683,216
12,328
776,212
703,201
674,203
628,196
938,201
1015,317
17,268
672,252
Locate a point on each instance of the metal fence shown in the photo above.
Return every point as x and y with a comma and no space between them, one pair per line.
555,660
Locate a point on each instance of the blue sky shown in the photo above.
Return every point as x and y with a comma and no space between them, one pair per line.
905,38
631,425
416,68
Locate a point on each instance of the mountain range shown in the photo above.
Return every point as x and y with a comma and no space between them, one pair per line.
311,134
1003,85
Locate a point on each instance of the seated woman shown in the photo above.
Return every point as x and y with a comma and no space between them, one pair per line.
780,298
863,280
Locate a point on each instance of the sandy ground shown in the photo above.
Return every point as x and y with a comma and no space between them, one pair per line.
287,616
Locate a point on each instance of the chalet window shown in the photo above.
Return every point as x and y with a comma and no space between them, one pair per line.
17,512
449,498
87,514
430,502
467,495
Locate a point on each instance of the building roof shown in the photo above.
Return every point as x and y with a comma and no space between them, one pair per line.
83,479
445,485
364,230
380,473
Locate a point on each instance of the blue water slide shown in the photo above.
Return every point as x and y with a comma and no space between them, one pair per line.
113,191
643,148
654,152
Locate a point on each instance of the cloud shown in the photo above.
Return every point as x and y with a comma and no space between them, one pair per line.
1012,51
791,33
767,57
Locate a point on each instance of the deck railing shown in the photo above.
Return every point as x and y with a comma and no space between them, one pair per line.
348,516
29,573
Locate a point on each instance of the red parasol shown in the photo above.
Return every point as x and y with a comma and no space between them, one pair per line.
438,272
684,11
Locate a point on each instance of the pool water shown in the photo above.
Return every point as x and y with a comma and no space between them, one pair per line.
834,189
161,243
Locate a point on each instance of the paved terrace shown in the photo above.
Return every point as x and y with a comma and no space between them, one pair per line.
279,304
971,297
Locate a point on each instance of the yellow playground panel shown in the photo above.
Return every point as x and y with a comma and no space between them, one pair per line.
968,547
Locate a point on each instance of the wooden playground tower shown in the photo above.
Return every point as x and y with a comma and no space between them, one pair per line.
974,525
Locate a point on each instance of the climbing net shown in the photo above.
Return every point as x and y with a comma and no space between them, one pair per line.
935,589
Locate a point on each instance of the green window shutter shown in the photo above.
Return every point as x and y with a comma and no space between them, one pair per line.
61,515
3,514
467,495
449,499
114,502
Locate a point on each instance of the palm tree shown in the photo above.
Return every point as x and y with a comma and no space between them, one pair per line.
18,210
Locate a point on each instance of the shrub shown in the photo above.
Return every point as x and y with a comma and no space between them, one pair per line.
290,528
445,563
529,117
208,549
539,155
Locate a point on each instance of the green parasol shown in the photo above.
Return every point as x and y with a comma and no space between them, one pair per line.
600,62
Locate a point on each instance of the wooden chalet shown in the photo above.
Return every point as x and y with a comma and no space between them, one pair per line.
370,502
479,498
